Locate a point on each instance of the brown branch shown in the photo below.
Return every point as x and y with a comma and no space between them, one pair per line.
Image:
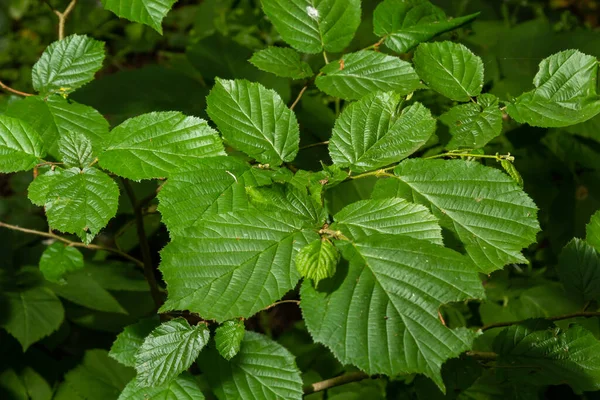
337,381
280,302
299,97
62,18
71,243
14,91
308,146
585,314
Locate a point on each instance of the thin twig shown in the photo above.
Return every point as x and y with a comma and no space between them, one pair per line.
585,314
375,46
299,97
15,91
281,302
72,243
337,381
62,18
497,157
482,355
308,146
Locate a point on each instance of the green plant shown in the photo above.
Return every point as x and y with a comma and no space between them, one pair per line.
387,283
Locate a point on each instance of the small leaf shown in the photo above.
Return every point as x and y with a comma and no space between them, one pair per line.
255,120
284,62
148,12
372,133
20,145
579,269
228,338
59,259
405,24
169,350
592,230
313,27
130,340
363,72
40,187
317,260
262,367
155,144
75,150
450,69
67,64
565,92
185,386
510,169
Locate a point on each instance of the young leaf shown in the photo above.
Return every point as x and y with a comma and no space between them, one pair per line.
284,62
185,386
592,230
130,340
473,125
261,367
372,133
234,264
488,211
579,269
450,69
59,259
169,350
148,12
317,260
228,338
20,145
565,92
405,24
155,144
394,216
67,64
75,150
380,311
363,72
40,187
315,26
511,170
255,120
537,353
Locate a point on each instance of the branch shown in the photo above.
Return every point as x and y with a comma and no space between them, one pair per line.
15,91
585,314
62,18
299,97
308,146
337,381
482,355
497,157
73,244
280,302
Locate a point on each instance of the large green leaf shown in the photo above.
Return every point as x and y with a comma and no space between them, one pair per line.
255,120
149,12
450,69
473,125
538,353
488,211
317,260
363,72
228,338
564,94
579,269
404,24
184,387
59,259
169,350
130,340
312,26
234,264
380,311
155,144
592,230
20,145
75,150
67,64
262,369
281,61
371,133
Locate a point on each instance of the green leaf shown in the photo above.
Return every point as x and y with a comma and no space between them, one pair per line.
372,133
155,144
380,311
54,117
59,259
78,201
67,64
394,216
537,353
450,69
364,72
40,187
117,276
405,24
234,264
314,26
37,387
148,12
281,61
564,94
511,170
261,367
228,338
488,211
592,230
209,186
184,386
255,120
31,314
169,350
579,269
473,125
75,150
20,145
130,340
317,260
